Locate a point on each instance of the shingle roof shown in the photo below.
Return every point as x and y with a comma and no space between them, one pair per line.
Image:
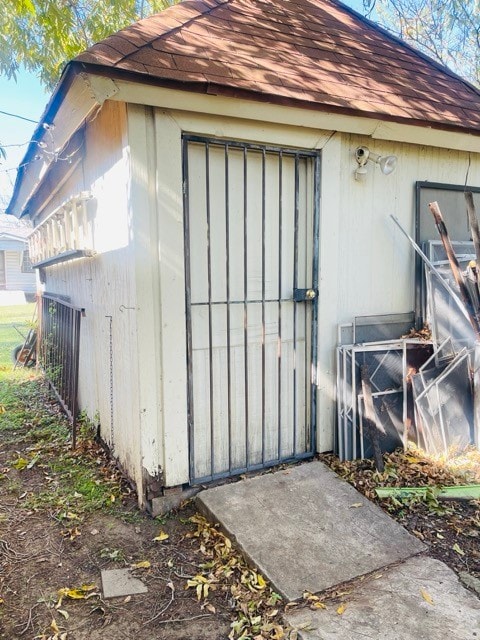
317,53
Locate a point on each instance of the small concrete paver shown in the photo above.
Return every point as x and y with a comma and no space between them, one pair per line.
120,582
395,607
307,529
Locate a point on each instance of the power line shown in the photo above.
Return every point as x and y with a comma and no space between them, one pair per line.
14,115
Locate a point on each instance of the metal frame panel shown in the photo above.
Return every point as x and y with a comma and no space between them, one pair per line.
418,233
60,351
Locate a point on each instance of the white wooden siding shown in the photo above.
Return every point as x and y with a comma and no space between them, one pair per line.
17,280
366,266
133,168
105,287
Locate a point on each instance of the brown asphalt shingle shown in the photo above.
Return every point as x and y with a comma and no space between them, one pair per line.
311,52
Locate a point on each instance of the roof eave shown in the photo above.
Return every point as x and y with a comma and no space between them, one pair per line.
211,88
56,127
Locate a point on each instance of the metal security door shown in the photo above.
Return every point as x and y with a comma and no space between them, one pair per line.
251,264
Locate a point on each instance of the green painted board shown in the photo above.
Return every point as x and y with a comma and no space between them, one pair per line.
457,492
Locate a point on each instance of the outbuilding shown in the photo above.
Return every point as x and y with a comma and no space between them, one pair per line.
212,186
17,278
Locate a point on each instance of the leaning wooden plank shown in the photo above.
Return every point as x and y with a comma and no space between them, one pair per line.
473,312
456,492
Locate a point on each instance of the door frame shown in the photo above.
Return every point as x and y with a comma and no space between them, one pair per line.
312,361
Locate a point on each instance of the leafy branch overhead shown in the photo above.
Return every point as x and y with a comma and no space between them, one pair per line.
42,35
446,30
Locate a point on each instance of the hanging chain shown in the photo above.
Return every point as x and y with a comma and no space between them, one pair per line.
111,382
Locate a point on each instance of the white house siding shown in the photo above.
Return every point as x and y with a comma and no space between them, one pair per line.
105,287
134,171
15,278
366,265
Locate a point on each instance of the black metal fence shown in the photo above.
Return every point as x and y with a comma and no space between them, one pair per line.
59,352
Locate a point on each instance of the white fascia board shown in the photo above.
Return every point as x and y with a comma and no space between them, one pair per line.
136,93
83,98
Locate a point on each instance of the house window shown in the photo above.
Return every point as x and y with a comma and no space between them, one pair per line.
26,263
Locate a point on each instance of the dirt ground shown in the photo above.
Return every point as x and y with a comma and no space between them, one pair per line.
451,529
67,515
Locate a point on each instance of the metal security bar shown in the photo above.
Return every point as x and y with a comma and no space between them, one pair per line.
251,219
59,352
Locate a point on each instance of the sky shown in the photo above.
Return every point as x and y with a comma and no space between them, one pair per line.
25,97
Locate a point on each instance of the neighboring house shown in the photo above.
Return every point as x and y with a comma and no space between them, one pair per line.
193,187
17,277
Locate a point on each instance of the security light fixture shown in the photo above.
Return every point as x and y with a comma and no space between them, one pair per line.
363,155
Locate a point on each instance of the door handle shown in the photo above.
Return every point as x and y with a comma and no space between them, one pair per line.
303,295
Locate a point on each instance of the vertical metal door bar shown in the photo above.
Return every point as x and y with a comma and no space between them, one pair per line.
263,306
227,274
188,308
210,330
315,302
295,286
279,339
245,298
307,356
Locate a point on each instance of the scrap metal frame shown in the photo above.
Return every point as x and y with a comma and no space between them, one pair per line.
419,185
437,409
349,411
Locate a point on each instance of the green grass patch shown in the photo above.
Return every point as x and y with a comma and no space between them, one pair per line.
16,315
68,483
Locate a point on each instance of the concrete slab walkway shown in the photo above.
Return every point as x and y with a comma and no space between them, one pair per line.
420,599
306,529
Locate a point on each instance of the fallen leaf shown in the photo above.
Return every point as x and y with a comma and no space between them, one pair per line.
127,599
210,607
64,613
20,464
144,564
78,593
356,505
54,626
458,550
319,605
161,537
440,537
2,408
261,582
341,609
426,596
